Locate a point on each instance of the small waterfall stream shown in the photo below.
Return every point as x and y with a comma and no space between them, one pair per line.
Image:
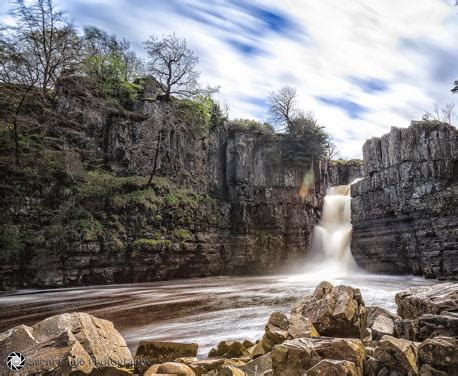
332,236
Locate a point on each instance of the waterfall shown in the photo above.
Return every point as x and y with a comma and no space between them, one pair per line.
330,250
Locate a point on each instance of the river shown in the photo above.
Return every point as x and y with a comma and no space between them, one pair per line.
205,310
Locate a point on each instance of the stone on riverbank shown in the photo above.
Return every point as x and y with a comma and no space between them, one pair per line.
334,311
398,354
229,349
150,353
276,331
68,343
333,367
416,301
441,353
427,326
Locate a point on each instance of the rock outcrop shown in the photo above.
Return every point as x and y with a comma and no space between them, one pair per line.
224,200
405,210
71,343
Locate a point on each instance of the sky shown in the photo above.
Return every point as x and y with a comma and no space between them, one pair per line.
360,66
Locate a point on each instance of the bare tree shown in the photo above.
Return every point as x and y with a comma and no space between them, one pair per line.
445,114
332,151
51,42
282,106
173,64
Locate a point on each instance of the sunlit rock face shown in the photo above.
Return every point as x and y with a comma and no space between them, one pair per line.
405,211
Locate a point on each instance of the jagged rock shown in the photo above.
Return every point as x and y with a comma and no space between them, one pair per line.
258,365
247,343
427,326
257,350
230,371
342,172
173,368
301,327
440,352
374,311
229,349
334,368
151,371
202,367
381,326
150,353
334,311
294,357
404,211
416,301
427,370
186,360
73,341
276,331
398,354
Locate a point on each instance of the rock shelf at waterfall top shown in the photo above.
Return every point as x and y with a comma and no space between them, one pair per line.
328,332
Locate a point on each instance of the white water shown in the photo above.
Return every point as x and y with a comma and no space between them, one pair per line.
330,253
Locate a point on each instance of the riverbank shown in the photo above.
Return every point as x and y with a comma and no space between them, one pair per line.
205,310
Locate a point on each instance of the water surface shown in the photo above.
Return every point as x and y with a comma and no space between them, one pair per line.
205,310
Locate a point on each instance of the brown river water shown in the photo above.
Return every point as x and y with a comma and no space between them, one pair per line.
205,310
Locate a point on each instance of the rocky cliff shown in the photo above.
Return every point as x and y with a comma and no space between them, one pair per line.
82,209
405,210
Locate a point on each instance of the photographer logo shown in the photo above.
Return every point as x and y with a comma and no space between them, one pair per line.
15,361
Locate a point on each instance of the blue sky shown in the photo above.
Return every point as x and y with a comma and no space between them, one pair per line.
359,66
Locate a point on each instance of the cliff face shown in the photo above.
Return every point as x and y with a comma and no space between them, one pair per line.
405,210
222,201
341,172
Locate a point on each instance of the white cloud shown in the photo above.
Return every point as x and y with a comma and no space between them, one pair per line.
407,45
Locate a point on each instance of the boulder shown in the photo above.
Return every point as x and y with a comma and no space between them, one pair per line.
229,349
174,368
427,326
296,356
207,366
258,365
382,325
293,357
427,370
70,342
334,311
416,301
440,352
334,368
230,371
301,327
276,331
257,350
398,354
151,371
156,352
374,311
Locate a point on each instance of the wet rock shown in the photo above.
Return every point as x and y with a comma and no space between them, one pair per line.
229,349
173,368
276,331
258,365
156,352
301,327
334,368
427,370
440,352
427,326
334,311
296,356
68,343
293,357
398,354
416,301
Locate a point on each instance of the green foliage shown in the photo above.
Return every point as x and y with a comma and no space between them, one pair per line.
151,244
182,234
251,125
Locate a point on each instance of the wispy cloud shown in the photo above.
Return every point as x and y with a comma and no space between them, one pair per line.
360,66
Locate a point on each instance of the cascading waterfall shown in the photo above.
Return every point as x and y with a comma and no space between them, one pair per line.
332,236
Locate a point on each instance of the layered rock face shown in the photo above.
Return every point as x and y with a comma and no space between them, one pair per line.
223,200
405,210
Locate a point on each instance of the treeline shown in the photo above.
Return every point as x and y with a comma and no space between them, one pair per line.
43,47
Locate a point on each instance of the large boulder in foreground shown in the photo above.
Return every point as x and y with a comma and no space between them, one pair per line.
66,344
334,311
416,301
150,353
398,354
440,353
427,326
296,356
